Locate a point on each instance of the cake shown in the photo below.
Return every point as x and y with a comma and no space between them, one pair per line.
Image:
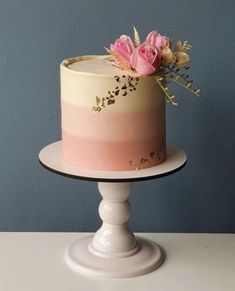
111,119
113,106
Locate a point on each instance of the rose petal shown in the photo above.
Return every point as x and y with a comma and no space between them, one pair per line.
145,59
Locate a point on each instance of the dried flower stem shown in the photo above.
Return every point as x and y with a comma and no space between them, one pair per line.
168,94
137,40
185,85
184,82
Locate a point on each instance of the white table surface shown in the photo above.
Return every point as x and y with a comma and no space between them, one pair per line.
35,261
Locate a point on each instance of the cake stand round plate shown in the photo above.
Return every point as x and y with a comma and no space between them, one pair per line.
51,158
114,251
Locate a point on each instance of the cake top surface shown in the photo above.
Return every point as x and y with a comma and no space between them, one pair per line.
96,64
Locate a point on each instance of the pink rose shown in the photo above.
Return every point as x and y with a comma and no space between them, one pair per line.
123,48
155,38
145,59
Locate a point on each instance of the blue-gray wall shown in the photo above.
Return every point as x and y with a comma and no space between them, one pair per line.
36,35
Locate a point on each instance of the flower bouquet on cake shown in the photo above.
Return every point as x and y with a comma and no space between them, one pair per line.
157,56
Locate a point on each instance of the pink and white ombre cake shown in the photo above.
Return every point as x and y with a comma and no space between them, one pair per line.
111,119
113,106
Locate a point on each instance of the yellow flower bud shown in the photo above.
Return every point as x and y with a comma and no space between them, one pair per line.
167,56
182,58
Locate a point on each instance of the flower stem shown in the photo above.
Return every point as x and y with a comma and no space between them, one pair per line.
196,92
169,96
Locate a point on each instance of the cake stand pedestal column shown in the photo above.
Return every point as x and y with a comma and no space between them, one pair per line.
114,239
114,251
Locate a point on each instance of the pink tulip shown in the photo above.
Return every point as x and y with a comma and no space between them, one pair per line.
145,59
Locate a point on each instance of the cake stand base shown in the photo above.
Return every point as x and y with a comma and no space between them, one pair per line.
113,251
80,258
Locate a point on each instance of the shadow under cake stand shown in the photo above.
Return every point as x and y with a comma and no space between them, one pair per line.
113,251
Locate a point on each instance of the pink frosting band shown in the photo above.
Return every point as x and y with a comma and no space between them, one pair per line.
103,155
121,125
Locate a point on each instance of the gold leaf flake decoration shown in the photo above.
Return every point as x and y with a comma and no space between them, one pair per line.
97,101
144,160
154,155
136,37
96,108
125,85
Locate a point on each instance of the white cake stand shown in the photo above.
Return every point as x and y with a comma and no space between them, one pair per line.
114,251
